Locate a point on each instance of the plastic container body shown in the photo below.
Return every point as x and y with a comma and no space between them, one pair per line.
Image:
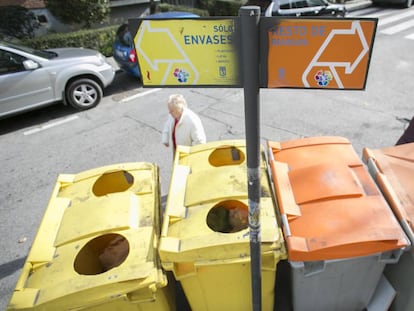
341,284
339,230
96,246
205,237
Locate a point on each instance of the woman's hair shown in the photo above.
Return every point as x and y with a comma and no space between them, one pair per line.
177,102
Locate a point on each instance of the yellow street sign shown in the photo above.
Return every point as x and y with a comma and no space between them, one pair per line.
187,52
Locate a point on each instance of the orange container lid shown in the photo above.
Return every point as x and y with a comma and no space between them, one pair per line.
314,150
393,170
330,205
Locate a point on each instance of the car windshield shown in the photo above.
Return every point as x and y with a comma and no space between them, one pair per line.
294,4
263,4
44,54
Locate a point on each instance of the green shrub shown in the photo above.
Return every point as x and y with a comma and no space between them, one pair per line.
225,7
97,39
166,7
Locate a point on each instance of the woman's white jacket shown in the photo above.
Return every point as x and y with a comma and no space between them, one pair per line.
188,132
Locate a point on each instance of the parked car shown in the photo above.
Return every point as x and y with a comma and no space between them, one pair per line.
124,49
31,79
299,8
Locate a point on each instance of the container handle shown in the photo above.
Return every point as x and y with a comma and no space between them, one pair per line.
286,226
391,257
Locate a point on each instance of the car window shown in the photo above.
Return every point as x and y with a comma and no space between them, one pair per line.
10,62
299,4
263,4
316,2
285,4
26,49
123,36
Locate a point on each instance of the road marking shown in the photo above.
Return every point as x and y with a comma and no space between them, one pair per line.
411,37
49,125
127,99
381,13
371,12
397,28
394,18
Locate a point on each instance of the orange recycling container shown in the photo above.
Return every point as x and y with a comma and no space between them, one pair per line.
339,230
393,170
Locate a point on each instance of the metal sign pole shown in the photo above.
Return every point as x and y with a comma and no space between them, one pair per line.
250,16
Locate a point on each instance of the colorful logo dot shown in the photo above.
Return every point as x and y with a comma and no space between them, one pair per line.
323,77
181,75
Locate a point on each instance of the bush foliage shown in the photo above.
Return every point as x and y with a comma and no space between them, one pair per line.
84,12
17,22
97,39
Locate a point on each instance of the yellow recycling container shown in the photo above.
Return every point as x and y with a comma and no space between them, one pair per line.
96,247
393,170
340,232
205,236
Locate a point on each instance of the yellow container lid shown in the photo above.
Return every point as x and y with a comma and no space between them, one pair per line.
330,205
208,181
96,242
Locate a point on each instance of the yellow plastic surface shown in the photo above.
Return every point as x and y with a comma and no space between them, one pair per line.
214,267
64,269
331,205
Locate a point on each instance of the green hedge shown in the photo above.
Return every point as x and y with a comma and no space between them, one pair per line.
225,7
98,39
102,39
165,7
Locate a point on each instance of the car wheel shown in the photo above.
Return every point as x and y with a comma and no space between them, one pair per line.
83,94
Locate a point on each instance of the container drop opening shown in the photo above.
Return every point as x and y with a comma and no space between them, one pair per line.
102,254
112,182
228,217
226,155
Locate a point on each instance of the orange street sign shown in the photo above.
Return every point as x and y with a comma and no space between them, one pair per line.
319,53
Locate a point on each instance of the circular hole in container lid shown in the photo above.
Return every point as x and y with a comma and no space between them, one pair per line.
111,182
228,217
102,254
226,155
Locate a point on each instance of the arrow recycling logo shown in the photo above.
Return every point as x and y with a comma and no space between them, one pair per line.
320,53
187,52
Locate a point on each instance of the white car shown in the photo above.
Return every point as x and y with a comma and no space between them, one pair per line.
31,79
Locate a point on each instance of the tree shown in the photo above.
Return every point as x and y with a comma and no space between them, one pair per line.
17,22
84,12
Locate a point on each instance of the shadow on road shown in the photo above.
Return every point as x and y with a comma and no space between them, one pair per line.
123,85
10,267
35,117
122,82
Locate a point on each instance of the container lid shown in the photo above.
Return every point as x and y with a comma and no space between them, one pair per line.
95,241
223,153
313,150
393,170
330,206
206,177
